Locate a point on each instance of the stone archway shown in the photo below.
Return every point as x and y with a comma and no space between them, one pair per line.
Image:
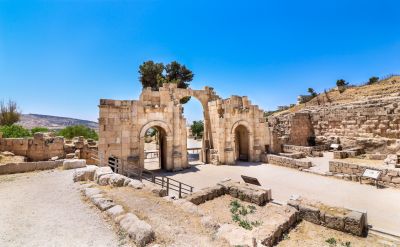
165,144
242,138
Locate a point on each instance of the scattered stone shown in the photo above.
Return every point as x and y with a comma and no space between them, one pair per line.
102,171
136,184
115,211
70,156
84,174
116,180
103,203
73,164
140,232
354,223
91,191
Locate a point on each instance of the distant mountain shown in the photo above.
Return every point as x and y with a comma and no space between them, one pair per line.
30,121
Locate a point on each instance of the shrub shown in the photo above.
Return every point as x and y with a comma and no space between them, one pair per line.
39,129
373,80
9,113
14,131
78,130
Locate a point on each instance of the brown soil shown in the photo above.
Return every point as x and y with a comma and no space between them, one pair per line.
173,227
311,235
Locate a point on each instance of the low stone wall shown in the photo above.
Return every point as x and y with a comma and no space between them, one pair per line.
349,153
287,162
38,148
348,171
341,219
297,155
242,191
303,149
29,166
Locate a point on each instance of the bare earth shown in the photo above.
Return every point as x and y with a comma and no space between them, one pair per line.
311,235
46,209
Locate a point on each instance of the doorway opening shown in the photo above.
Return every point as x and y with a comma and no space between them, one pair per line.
155,145
241,143
193,112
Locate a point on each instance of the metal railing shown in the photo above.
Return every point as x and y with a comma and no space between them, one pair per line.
114,163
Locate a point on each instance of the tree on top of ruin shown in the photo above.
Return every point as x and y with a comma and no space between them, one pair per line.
9,113
151,74
154,75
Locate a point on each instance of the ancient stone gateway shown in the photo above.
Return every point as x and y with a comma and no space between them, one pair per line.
234,129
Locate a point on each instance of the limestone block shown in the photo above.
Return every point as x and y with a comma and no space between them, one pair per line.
85,174
117,180
309,213
103,203
140,232
91,191
115,211
334,222
354,223
102,171
105,179
136,184
73,164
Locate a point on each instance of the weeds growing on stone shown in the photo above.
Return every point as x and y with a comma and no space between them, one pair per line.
333,242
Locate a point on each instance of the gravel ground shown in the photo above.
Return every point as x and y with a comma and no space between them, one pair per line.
46,209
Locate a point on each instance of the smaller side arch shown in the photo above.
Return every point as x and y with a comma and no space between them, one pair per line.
244,123
238,141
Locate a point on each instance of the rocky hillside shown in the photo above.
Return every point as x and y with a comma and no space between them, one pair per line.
53,122
382,89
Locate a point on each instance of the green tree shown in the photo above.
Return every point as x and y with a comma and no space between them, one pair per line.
39,129
197,128
341,83
151,74
373,80
9,113
312,92
78,130
14,131
179,74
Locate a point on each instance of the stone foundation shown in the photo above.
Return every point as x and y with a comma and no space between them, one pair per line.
287,162
389,176
340,219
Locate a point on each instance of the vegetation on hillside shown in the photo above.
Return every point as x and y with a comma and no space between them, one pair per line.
154,75
78,130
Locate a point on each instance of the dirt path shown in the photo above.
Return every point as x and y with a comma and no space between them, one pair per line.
45,209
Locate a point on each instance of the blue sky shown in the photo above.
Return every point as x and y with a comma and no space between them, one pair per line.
61,57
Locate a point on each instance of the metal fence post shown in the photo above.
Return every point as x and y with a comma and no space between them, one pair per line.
167,186
180,190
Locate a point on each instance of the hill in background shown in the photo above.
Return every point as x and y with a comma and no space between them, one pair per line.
30,121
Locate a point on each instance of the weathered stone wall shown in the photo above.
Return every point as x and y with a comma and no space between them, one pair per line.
373,124
340,219
38,148
389,176
288,162
227,115
303,149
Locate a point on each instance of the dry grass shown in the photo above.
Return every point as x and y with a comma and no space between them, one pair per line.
311,235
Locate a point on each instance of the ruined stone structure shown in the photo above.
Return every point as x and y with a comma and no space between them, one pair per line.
367,117
233,128
42,147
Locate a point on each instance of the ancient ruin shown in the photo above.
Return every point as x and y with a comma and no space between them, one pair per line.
234,128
